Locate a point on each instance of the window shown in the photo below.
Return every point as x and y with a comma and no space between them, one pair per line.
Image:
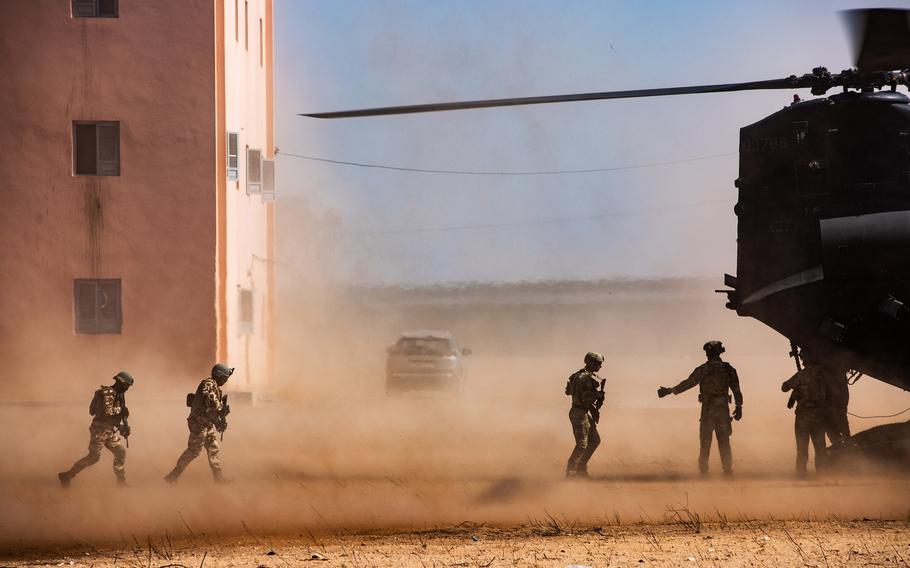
801,131
268,181
95,9
233,158
96,148
96,306
260,42
253,171
246,25
245,321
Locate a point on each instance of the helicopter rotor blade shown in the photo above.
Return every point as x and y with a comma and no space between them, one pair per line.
880,38
786,83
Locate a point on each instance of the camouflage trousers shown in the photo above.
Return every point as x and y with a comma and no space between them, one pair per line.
201,436
837,424
586,440
103,436
715,421
810,424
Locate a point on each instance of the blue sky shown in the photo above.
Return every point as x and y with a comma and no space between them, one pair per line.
668,220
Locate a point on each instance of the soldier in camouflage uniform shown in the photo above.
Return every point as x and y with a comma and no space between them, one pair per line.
836,422
810,393
584,414
715,379
207,416
109,411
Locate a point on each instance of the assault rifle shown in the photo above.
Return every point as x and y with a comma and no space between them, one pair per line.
221,425
598,402
124,425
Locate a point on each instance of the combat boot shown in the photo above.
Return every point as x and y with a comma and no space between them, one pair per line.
173,476
219,477
121,480
65,477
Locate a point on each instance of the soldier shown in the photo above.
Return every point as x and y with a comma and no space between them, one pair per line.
585,413
208,414
837,424
715,380
109,411
810,392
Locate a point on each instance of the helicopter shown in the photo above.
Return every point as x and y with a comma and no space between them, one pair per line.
823,209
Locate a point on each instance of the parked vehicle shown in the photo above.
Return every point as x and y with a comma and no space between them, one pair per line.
425,360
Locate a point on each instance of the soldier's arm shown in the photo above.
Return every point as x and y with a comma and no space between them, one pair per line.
734,386
212,401
93,406
790,383
693,380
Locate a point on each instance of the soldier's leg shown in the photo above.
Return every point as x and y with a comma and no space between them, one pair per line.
95,444
114,443
818,443
212,449
580,428
802,445
705,432
593,442
193,447
723,428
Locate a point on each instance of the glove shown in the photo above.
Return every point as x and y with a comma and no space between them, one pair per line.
791,403
125,431
664,391
738,413
221,425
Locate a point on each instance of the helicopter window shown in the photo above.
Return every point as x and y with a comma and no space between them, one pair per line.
801,131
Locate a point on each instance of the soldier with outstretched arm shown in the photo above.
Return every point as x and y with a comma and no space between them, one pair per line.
584,415
716,379
208,415
109,422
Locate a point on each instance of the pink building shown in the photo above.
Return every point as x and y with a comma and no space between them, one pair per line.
138,211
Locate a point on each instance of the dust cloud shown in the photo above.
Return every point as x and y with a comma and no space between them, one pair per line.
326,450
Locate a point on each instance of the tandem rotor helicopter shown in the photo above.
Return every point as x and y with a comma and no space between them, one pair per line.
823,230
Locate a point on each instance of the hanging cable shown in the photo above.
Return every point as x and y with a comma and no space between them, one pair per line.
883,416
505,173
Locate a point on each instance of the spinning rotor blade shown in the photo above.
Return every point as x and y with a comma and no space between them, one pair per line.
786,83
880,38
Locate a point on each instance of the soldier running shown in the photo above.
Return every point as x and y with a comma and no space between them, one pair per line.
585,413
715,379
810,393
208,414
109,411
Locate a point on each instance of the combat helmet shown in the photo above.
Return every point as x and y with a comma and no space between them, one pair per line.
713,348
222,371
125,378
592,356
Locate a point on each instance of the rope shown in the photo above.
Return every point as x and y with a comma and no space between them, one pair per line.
883,416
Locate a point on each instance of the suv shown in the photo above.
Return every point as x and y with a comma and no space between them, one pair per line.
425,360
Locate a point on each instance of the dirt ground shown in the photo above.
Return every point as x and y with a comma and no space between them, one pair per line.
687,541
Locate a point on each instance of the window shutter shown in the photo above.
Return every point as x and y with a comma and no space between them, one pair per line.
253,171
107,8
233,159
109,149
268,181
84,8
84,294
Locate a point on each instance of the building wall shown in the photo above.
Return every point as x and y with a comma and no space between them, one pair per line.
247,253
153,226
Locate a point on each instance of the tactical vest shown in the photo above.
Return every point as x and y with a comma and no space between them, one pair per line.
105,403
810,392
199,404
715,383
582,387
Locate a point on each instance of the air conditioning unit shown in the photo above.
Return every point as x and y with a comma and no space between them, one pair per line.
233,156
268,181
253,171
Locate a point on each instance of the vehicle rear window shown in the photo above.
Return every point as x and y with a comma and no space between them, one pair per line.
424,346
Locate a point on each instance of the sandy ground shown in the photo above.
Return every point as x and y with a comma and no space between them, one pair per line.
687,541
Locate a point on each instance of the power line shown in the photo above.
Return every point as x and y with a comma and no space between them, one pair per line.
537,222
506,173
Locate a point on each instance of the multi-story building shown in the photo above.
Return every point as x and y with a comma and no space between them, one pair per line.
137,213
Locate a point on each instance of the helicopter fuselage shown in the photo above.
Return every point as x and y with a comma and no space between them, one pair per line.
824,229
